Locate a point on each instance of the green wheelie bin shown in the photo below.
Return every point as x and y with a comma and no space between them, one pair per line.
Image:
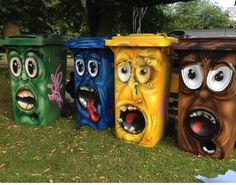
37,66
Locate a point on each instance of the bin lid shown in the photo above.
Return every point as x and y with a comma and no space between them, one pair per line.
210,43
33,40
87,42
142,40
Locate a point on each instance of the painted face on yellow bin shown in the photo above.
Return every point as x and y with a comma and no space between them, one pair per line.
141,87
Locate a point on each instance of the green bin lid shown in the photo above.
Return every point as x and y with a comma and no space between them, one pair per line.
33,40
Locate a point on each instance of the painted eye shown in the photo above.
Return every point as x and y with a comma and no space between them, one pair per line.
192,76
143,74
80,67
15,66
31,67
218,79
124,72
93,67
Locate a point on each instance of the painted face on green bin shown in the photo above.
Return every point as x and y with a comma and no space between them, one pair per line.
30,87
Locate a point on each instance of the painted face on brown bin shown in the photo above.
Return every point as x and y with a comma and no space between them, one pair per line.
207,103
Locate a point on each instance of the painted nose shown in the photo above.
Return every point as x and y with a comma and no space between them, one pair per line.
24,77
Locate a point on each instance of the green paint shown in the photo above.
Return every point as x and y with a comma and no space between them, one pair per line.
136,88
31,76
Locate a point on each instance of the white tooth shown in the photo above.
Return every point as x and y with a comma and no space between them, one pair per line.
123,108
130,108
27,93
86,88
29,106
208,151
120,120
22,104
20,95
206,115
126,128
191,115
194,114
131,129
214,121
134,108
91,90
81,100
199,113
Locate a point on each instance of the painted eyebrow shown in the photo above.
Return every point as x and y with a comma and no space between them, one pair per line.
229,64
13,50
39,54
189,63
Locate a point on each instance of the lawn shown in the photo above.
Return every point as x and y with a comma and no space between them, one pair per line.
61,152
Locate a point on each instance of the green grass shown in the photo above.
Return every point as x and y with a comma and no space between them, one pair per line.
61,152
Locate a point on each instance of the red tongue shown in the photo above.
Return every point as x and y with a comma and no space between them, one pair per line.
92,111
130,117
197,126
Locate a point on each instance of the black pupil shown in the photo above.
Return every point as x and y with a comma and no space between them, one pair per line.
191,74
124,70
143,71
15,66
93,67
31,67
80,67
219,76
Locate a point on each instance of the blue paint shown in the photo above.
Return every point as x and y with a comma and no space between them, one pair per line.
94,81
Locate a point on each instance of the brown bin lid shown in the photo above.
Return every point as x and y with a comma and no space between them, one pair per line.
197,43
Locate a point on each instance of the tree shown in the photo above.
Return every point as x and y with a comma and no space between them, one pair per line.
198,14
23,14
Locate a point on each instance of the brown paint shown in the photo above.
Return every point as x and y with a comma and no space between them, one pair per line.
222,104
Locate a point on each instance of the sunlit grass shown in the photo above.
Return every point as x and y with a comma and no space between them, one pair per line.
60,152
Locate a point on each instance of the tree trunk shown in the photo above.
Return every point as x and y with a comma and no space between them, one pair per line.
100,19
10,28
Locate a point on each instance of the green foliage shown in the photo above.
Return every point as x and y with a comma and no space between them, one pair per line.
70,17
201,14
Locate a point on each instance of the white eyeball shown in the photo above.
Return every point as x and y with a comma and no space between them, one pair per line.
31,67
218,79
15,66
192,76
93,67
124,72
80,67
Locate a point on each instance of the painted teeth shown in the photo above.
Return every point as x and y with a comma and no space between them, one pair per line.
205,114
131,129
208,151
120,120
84,88
83,102
130,108
123,108
24,105
25,93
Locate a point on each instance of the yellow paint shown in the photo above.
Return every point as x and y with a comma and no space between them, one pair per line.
146,86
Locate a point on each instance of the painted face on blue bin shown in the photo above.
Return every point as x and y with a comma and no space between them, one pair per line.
94,87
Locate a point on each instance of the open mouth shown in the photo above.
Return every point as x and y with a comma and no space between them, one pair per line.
88,100
25,99
131,119
203,125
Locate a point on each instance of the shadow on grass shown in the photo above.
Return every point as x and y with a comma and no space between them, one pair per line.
61,152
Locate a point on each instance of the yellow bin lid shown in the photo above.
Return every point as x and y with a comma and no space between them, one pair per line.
141,40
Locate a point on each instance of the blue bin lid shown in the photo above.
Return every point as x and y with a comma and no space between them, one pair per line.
87,42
